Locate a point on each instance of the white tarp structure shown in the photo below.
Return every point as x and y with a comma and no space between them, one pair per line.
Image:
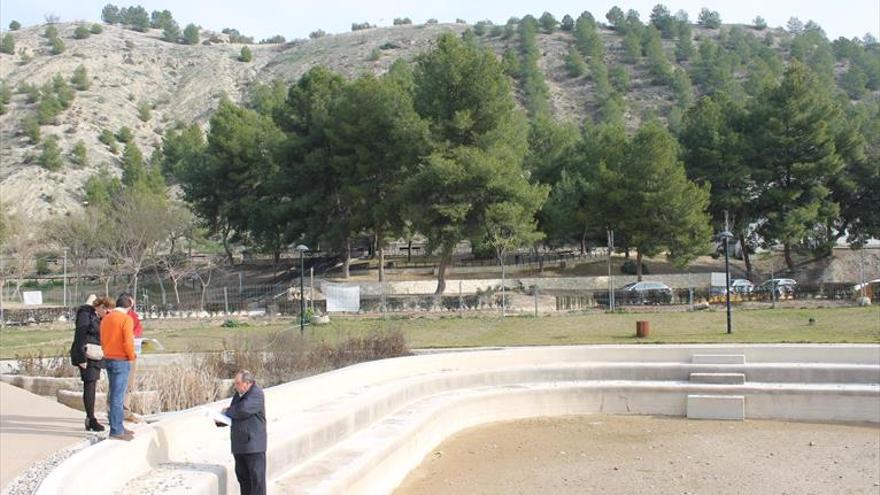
342,298
32,298
718,279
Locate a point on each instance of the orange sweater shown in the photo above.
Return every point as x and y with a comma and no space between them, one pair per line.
117,336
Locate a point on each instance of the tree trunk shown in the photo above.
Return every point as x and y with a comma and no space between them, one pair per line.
441,273
161,283
380,249
626,253
346,259
176,292
746,257
638,264
409,251
787,252
227,247
583,242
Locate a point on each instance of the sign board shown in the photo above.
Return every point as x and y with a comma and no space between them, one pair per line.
32,298
342,298
717,279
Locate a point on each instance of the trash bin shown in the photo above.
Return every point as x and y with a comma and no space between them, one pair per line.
643,329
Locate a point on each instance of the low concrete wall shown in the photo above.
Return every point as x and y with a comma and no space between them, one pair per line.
42,385
470,286
143,402
361,428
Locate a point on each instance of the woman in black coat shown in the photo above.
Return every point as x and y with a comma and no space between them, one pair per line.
88,331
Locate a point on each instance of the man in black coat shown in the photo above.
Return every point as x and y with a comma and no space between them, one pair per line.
248,433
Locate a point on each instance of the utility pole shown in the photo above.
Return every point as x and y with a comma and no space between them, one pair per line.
726,235
64,297
610,276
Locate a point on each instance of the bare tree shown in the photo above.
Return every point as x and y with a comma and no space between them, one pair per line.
84,236
141,221
20,246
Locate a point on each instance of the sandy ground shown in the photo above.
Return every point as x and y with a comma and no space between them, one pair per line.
639,454
33,427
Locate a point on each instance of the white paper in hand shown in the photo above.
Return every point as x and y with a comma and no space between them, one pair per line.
220,418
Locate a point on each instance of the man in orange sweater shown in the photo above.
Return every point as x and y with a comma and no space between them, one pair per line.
117,340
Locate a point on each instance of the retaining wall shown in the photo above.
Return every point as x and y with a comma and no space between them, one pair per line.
362,428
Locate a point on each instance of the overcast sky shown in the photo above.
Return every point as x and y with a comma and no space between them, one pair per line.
295,19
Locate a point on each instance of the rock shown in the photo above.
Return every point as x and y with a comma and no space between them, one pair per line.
812,443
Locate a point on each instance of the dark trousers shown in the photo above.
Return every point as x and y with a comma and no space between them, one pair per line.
250,469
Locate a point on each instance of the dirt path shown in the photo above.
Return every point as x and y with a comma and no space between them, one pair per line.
639,454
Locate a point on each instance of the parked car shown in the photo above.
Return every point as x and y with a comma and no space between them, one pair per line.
741,286
783,287
647,293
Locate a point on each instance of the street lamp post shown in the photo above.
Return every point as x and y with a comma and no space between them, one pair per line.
302,248
726,236
64,297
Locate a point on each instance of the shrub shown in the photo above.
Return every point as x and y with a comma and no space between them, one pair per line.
145,111
567,23
374,55
548,22
191,34
389,45
31,90
50,157
25,56
48,109
80,78
50,32
574,63
629,268
317,34
246,55
460,21
31,128
171,32
402,21
57,46
107,137
14,25
81,33
110,14
62,91
760,23
96,29
274,40
5,96
38,364
360,26
124,135
79,155
431,21
7,44
709,18
620,79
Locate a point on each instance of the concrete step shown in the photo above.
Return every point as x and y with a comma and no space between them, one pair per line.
718,359
719,378
729,407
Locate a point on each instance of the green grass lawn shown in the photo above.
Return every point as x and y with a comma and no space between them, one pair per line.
760,325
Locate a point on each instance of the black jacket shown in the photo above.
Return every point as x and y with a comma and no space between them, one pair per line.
88,331
248,413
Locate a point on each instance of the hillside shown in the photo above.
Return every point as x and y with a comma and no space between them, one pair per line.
183,83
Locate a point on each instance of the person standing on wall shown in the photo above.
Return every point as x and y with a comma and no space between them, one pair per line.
117,340
248,434
138,331
86,352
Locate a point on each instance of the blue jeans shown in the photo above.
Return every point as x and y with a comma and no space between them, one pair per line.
117,372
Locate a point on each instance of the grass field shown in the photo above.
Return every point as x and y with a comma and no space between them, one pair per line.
761,325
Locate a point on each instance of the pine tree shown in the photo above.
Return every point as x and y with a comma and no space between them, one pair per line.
476,164
50,157
7,44
794,157
80,78
191,34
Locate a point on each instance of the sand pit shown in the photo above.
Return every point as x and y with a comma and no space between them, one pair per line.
640,454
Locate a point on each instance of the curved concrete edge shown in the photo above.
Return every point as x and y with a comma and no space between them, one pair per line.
185,437
394,456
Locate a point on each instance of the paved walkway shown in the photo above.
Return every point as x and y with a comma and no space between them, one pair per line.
33,427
